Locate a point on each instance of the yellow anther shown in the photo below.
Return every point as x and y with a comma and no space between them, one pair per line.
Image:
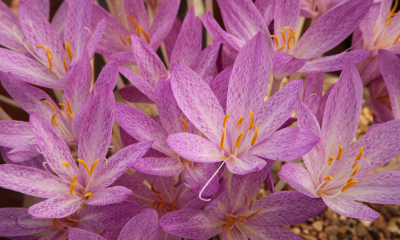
253,141
283,35
397,39
53,120
84,164
222,140
391,13
276,40
245,199
355,171
239,123
202,134
73,179
71,190
281,48
290,38
49,56
225,120
172,204
251,120
89,194
252,215
68,49
122,40
139,31
68,108
359,154
129,38
154,203
330,160
153,189
348,185
288,27
251,204
65,164
65,65
354,165
92,167
51,105
184,123
160,197
132,20
239,139
339,154
162,75
328,178
350,180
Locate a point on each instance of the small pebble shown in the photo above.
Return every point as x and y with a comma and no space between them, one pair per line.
318,225
392,227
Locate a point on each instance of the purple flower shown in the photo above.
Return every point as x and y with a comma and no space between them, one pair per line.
16,222
76,105
186,51
75,185
245,134
49,64
313,9
337,171
378,30
116,41
238,216
288,54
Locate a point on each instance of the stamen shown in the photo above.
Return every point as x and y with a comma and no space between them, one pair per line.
348,185
172,204
51,105
122,40
391,13
89,194
93,165
397,39
68,49
73,179
354,165
153,189
84,164
159,204
355,171
239,123
359,154
53,120
66,164
71,190
252,215
350,180
245,199
225,120
140,30
129,38
283,35
132,20
184,123
69,111
160,197
251,204
202,134
222,140
328,178
290,38
288,27
154,203
251,120
253,141
65,65
162,76
339,154
239,139
330,160
281,48
49,56
276,40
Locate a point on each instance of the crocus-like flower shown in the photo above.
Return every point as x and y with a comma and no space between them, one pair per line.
239,216
337,171
245,134
75,185
159,194
16,222
380,29
288,54
67,123
186,51
316,8
50,64
116,39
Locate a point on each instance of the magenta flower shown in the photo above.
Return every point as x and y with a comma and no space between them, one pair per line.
116,41
186,51
75,185
238,216
16,222
49,63
337,171
246,133
312,9
288,54
76,104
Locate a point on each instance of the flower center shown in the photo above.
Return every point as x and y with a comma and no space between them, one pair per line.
168,206
291,34
49,56
138,29
67,107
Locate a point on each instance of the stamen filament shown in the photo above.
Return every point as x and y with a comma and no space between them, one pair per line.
92,167
239,123
68,49
132,20
49,56
122,40
84,164
251,204
225,120
283,35
359,154
66,164
140,30
239,139
184,123
288,27
153,189
65,65
89,194
276,40
245,199
51,105
339,154
253,141
154,203
355,171
251,120
281,48
252,215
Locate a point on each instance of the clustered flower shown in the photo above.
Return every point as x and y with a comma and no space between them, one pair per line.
107,170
